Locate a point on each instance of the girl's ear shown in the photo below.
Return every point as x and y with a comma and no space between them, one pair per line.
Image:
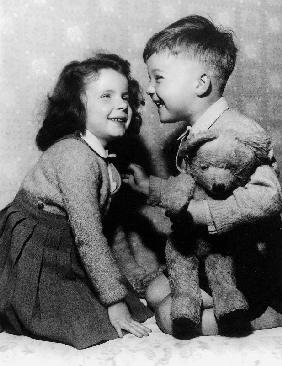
203,86
83,98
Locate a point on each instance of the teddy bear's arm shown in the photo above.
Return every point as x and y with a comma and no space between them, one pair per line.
259,199
171,194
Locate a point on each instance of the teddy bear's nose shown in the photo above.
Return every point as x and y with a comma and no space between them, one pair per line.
218,188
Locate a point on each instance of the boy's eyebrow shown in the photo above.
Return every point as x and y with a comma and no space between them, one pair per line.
157,70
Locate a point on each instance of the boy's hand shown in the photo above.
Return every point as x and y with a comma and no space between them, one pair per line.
137,179
120,318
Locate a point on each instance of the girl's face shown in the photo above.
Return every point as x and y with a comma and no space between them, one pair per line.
106,101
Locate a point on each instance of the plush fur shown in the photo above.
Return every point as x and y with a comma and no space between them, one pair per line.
218,163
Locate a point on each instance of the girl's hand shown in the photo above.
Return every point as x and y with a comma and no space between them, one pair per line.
137,179
120,318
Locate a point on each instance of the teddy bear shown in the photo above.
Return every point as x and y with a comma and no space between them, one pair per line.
218,163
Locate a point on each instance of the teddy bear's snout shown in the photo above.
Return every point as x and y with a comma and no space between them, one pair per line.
218,188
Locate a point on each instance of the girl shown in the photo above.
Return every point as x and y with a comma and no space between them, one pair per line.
58,278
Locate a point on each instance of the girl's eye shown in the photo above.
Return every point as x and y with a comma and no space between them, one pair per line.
106,95
125,97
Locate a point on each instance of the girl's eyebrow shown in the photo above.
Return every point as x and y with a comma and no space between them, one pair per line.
113,91
107,91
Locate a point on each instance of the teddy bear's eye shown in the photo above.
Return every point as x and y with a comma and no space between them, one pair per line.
204,166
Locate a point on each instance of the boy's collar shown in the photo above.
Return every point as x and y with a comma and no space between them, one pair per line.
208,118
95,144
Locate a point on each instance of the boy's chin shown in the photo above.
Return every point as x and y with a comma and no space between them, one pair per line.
168,120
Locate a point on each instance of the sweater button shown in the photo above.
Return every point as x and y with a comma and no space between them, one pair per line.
40,205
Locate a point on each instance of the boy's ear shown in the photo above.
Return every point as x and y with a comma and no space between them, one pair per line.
203,86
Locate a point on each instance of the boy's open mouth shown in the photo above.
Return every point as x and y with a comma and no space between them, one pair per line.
159,103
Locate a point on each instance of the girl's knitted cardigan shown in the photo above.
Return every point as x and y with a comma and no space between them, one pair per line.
72,180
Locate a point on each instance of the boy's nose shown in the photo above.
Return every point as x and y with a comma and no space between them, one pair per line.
150,90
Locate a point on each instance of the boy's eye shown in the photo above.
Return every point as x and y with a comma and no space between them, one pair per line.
158,77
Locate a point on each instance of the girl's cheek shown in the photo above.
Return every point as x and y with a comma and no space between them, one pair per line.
129,115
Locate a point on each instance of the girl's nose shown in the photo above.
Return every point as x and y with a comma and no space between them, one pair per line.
122,104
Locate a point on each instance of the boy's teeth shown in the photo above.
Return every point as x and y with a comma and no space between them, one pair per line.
118,119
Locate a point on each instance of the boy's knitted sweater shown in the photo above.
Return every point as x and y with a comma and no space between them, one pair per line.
260,199
72,180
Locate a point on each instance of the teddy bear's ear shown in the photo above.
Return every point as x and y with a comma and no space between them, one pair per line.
259,143
194,141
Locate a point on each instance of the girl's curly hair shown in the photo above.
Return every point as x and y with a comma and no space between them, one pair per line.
65,112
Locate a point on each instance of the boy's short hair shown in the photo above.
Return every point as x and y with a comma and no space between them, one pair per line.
201,39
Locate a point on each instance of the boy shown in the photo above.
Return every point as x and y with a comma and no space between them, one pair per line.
189,64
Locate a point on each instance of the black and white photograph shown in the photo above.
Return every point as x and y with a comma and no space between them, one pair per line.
140,185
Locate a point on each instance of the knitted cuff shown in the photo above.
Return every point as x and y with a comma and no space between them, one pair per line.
190,184
154,198
222,216
113,295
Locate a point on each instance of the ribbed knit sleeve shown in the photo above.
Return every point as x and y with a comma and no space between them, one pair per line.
155,189
172,193
80,176
259,199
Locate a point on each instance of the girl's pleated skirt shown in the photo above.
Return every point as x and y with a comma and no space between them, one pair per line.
44,290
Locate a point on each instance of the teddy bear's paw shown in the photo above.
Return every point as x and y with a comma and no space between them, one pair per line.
234,324
184,328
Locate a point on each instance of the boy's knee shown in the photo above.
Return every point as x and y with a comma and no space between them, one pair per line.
153,296
164,321
156,291
209,324
163,317
269,319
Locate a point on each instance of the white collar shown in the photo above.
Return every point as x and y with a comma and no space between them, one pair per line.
204,123
208,118
95,144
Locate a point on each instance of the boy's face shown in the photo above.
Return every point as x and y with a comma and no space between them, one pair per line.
173,83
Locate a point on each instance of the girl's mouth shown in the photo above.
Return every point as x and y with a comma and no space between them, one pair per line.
119,119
